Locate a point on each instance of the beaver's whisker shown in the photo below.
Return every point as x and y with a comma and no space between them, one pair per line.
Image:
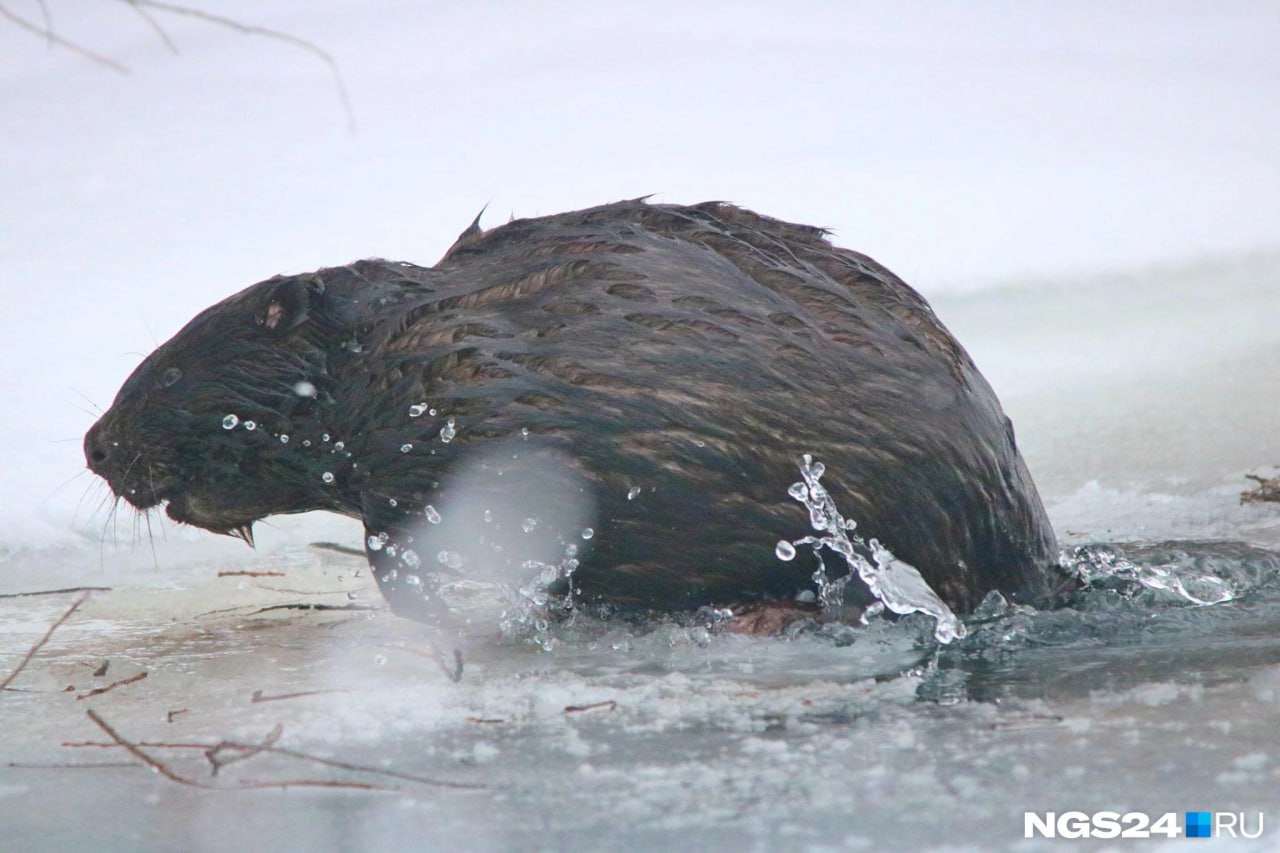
67,482
155,561
96,408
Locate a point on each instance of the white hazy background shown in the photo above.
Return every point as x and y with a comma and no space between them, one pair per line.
973,147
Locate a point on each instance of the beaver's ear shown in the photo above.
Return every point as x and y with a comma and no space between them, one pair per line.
287,303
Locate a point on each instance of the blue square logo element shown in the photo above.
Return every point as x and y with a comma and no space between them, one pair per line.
1199,825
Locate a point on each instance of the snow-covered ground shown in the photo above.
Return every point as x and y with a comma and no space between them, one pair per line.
1088,192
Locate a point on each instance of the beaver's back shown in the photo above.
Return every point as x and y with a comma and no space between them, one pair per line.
694,354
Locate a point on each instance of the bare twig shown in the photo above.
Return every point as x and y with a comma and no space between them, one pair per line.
98,691
38,646
57,591
1268,489
48,20
97,765
214,753
452,672
259,697
46,32
266,32
292,753
144,9
306,606
611,704
164,770
154,24
156,765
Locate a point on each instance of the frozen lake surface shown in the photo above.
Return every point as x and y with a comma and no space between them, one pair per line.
1141,399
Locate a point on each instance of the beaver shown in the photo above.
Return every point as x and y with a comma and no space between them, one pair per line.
679,360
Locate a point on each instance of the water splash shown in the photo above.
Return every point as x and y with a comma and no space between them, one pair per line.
1101,566
897,584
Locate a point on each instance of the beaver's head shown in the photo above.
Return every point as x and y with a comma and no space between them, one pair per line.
208,422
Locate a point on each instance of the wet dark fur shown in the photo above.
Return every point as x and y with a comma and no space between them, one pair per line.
694,352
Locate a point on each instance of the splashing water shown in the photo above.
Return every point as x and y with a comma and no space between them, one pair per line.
1105,565
897,584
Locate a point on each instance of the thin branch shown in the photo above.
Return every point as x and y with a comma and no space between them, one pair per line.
57,591
293,753
98,765
158,766
259,697
38,646
266,32
305,606
98,691
165,771
611,704
55,39
214,753
154,24
48,20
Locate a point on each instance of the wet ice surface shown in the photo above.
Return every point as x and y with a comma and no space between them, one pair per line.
651,735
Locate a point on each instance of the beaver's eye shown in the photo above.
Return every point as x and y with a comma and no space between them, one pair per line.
170,377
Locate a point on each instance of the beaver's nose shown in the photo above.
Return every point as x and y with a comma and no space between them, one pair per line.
97,448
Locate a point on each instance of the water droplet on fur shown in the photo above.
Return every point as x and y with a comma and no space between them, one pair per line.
432,515
431,412
631,495
410,558
417,410
230,421
785,551
413,580
328,477
284,439
306,442
448,431
571,550
799,491
338,445
452,559
524,432
379,660
376,541
250,425
588,533
393,502
324,437
405,448
529,525
304,389
488,515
